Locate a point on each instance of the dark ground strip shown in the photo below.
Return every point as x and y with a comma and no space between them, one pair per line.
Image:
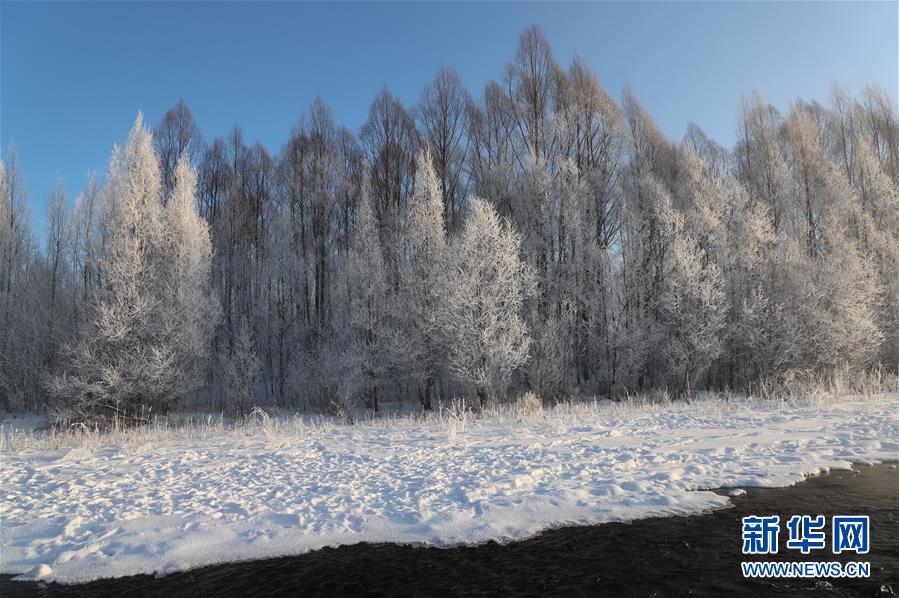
670,556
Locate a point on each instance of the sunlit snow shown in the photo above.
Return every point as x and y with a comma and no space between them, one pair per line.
161,501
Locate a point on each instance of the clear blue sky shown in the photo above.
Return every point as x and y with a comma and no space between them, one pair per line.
73,75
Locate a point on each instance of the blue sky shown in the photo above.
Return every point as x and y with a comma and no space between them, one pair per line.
73,75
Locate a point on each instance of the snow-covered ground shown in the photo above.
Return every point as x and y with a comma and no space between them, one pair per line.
160,501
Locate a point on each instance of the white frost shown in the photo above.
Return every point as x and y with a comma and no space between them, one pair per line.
178,501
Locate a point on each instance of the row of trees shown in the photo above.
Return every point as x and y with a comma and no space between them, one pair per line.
541,235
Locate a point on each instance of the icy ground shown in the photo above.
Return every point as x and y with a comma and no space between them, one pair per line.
160,501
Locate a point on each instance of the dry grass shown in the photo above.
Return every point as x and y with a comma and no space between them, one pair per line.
824,387
528,403
456,416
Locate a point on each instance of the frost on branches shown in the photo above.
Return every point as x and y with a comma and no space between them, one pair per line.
602,258
148,337
488,337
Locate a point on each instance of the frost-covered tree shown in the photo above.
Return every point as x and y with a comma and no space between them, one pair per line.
241,371
841,294
551,359
492,158
693,311
649,227
529,82
177,136
150,325
488,337
651,263
561,339
761,164
372,336
21,357
56,303
13,241
191,312
423,281
87,242
442,114
732,235
880,124
879,239
391,141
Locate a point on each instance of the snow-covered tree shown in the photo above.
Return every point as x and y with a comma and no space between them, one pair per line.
372,335
87,242
488,338
693,311
390,140
841,294
241,371
55,303
151,322
761,164
176,137
878,232
191,312
21,357
423,281
648,263
442,113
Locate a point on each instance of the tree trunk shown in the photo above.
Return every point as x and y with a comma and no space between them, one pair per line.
424,394
482,397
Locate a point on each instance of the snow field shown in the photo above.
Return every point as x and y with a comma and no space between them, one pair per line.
167,500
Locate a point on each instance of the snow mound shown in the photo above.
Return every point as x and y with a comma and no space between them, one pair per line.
174,502
42,571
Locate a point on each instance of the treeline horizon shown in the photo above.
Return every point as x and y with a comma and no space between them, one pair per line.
538,237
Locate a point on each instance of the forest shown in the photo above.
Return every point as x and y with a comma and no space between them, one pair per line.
537,236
